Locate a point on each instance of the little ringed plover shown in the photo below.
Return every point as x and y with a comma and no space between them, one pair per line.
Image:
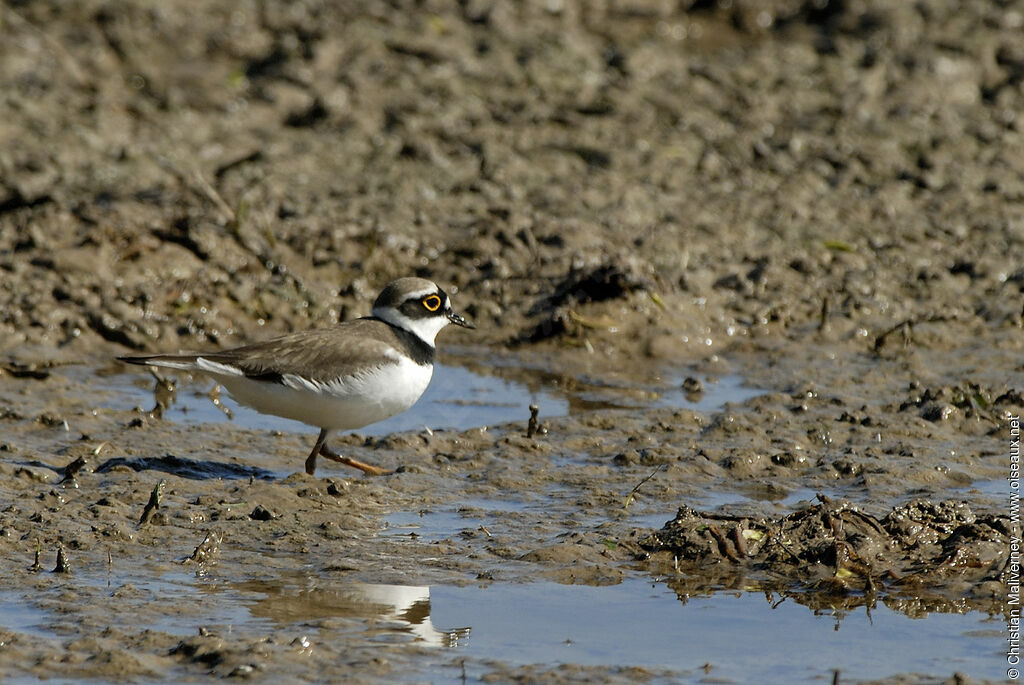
341,378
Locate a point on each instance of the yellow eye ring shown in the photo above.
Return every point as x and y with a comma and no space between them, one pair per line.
432,303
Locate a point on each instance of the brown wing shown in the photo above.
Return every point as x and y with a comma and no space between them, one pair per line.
321,355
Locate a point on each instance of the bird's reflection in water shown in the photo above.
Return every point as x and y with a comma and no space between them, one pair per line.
388,610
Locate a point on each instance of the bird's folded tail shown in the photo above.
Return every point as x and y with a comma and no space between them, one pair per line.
186,362
190,362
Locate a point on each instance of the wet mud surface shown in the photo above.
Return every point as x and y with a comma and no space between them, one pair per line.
633,201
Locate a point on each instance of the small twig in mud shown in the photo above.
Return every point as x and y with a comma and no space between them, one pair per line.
153,504
63,565
533,425
215,398
823,325
36,565
636,488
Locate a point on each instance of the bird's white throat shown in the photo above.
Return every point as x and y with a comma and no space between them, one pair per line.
424,329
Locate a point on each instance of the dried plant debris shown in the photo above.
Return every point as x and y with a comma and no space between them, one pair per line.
835,548
971,399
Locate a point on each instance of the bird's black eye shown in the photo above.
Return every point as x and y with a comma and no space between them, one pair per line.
432,302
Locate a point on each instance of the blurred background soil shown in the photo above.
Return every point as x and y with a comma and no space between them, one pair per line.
823,196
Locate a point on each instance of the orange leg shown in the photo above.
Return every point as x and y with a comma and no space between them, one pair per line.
368,469
321,448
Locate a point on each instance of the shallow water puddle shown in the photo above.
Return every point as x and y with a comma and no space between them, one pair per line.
20,617
715,395
643,623
731,637
997,489
369,611
740,637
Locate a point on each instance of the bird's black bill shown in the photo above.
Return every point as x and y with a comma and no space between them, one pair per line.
458,319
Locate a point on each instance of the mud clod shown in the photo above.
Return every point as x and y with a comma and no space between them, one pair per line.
207,550
63,563
72,469
336,490
533,425
693,387
207,650
261,513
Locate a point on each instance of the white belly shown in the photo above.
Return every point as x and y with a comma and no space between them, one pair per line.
343,404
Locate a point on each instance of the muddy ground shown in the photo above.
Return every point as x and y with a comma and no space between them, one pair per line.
826,198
